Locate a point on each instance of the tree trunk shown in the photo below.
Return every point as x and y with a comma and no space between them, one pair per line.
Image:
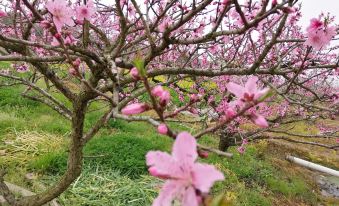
74,164
226,140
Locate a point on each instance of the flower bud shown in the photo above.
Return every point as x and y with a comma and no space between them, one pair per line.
202,154
57,35
135,108
274,3
157,91
72,71
288,10
164,98
134,73
76,63
162,129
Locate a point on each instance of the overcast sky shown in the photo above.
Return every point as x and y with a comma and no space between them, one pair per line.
312,8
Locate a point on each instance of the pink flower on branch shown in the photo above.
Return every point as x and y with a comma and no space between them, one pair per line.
85,11
162,129
249,92
134,73
241,149
163,95
259,120
135,108
186,179
318,34
2,14
62,13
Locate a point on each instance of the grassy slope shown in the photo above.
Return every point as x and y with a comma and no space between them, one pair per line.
114,167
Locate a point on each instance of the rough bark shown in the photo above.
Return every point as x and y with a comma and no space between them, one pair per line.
226,139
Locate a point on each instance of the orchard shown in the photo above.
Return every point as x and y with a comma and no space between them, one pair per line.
244,69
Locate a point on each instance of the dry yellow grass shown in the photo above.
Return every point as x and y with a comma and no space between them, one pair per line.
23,146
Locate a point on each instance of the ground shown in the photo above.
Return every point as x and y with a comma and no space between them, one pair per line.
33,148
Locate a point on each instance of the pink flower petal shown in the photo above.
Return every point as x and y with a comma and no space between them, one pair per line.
185,148
204,176
168,193
251,84
235,89
190,198
162,163
259,120
157,91
3,14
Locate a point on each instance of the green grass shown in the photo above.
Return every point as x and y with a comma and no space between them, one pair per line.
123,151
259,180
51,162
99,186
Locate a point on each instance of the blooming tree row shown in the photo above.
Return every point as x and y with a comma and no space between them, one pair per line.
227,60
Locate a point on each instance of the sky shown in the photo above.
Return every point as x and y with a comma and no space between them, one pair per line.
312,8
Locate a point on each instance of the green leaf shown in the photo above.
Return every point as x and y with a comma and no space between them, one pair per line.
268,94
139,63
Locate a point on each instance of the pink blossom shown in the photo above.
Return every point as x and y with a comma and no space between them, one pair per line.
62,13
135,108
134,73
241,149
315,25
164,24
55,42
186,179
69,40
76,63
259,120
164,98
72,71
157,90
2,14
247,93
162,129
85,11
245,141
203,154
274,3
164,95
318,34
230,113
194,98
